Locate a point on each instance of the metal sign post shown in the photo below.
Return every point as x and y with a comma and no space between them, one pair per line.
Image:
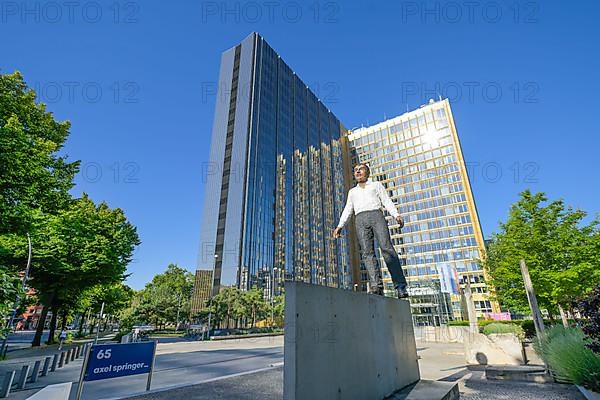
83,368
151,368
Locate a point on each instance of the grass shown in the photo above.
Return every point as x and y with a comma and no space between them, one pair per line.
564,350
168,334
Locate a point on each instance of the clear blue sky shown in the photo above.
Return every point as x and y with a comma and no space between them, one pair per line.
155,64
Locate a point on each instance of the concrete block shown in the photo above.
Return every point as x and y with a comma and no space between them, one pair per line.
54,362
497,349
347,345
7,384
59,391
46,366
23,377
588,394
35,372
520,373
428,390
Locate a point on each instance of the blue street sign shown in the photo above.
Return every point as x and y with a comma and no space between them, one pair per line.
114,360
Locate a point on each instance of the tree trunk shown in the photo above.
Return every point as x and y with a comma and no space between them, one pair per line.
63,324
571,311
52,325
92,325
39,330
80,328
563,316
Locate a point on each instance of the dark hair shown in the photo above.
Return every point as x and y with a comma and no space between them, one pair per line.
366,166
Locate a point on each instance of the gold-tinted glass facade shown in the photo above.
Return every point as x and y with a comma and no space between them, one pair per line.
418,158
202,284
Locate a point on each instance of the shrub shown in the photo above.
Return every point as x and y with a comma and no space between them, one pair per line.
458,323
565,352
590,308
528,327
496,327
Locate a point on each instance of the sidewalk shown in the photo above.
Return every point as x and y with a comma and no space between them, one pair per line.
16,359
439,361
47,350
268,385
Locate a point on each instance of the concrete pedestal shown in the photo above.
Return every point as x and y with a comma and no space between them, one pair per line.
346,345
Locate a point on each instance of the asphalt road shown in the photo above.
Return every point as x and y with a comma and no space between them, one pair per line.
180,364
22,339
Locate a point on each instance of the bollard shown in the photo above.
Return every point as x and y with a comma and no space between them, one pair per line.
61,361
7,384
67,356
73,350
77,351
54,363
46,366
36,371
23,377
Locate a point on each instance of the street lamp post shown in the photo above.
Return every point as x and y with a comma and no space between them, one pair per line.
274,270
212,282
178,308
98,328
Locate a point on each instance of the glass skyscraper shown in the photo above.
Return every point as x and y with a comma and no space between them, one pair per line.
418,158
280,169
275,183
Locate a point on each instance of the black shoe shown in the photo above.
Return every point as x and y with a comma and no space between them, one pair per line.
402,292
378,292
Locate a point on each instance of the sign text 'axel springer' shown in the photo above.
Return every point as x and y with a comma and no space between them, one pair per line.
119,368
114,360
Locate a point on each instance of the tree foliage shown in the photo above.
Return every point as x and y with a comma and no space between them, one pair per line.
77,245
165,298
242,307
561,252
589,307
32,174
33,177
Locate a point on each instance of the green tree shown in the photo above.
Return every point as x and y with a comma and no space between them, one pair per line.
166,299
32,174
33,177
9,287
562,254
82,246
226,306
115,296
77,244
254,306
279,309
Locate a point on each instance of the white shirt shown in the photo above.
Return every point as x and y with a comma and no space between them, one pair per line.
371,197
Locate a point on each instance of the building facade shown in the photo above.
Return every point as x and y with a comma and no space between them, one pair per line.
418,158
275,184
201,294
279,170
